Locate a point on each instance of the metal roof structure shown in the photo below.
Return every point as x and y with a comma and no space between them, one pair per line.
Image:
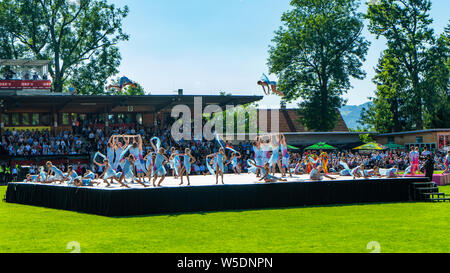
5,62
101,103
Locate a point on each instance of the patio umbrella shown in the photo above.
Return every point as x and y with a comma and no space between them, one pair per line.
292,147
370,146
321,146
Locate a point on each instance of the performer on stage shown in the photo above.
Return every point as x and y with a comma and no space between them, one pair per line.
118,149
149,165
136,151
234,163
53,174
159,170
258,154
324,160
274,160
32,178
284,157
176,162
188,160
71,175
110,152
316,174
108,172
447,163
219,166
389,173
128,170
268,178
414,159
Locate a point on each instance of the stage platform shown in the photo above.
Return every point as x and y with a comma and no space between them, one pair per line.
239,192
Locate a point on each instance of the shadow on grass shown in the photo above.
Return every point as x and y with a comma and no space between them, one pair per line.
205,213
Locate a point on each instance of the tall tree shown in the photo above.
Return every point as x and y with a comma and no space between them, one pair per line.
315,53
72,34
405,24
388,112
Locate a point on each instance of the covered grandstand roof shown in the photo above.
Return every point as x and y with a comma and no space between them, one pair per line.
102,103
24,62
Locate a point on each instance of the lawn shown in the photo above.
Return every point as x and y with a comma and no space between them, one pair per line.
410,227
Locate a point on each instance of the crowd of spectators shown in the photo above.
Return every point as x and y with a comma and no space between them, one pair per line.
86,140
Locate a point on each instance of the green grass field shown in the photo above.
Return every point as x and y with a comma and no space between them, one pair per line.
406,227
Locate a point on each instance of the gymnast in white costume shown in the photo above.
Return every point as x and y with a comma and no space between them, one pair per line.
267,177
389,173
316,174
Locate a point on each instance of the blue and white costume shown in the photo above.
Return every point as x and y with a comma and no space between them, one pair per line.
72,177
258,156
34,178
285,156
159,169
219,162
110,156
117,162
275,156
128,170
234,162
137,163
176,161
57,173
187,164
43,176
110,173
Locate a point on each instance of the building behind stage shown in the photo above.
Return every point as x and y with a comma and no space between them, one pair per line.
433,139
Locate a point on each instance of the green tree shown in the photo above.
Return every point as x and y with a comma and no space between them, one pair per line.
388,112
405,26
79,37
315,53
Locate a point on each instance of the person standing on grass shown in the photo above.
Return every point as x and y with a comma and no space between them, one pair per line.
429,167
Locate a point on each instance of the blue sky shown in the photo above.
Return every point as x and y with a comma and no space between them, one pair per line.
208,46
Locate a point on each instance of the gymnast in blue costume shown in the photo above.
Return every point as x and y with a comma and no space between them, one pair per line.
266,83
158,167
188,159
71,175
258,154
58,175
219,166
285,168
234,163
274,160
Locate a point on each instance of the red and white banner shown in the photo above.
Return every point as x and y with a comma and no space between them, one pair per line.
19,84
